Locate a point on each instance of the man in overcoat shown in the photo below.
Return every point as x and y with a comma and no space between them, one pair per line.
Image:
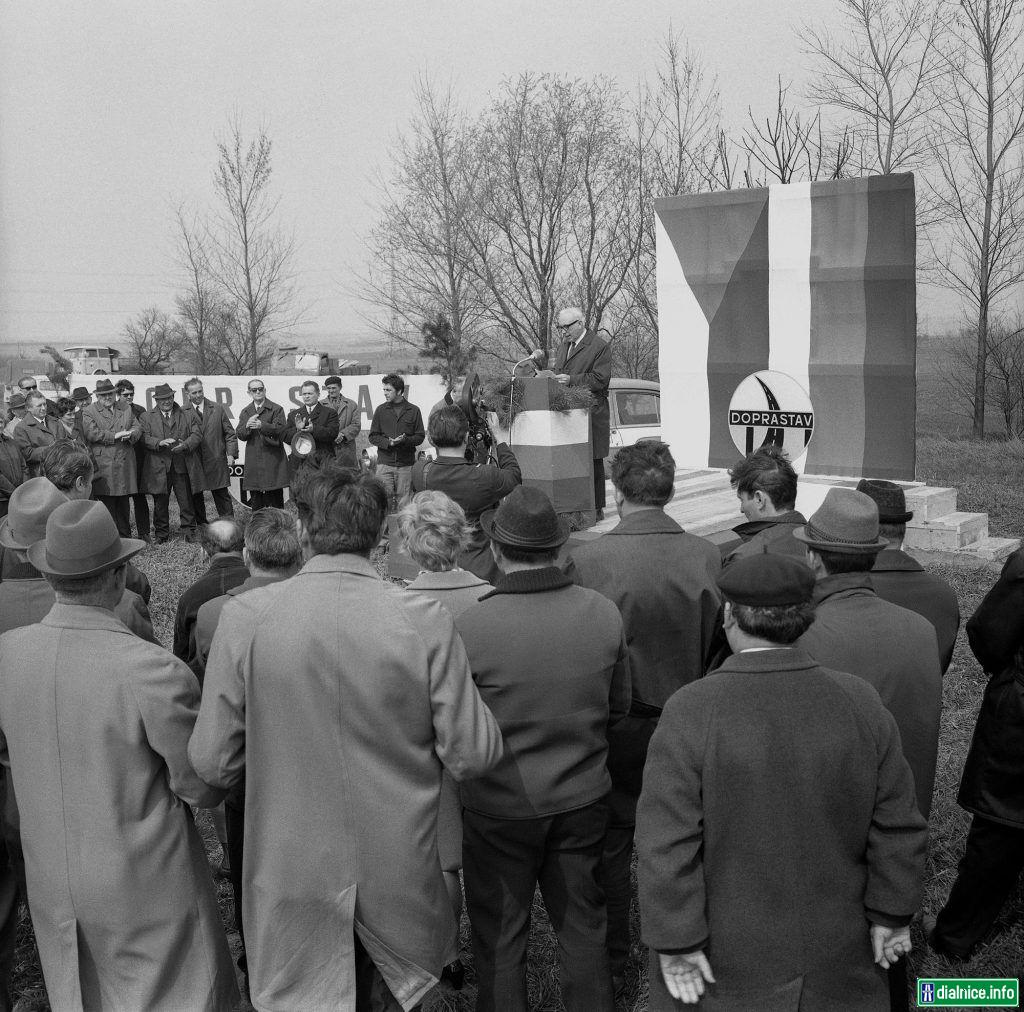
550,660
992,786
315,419
172,437
112,432
584,359
663,582
126,394
94,726
12,469
218,449
781,852
900,578
341,733
349,422
37,432
260,425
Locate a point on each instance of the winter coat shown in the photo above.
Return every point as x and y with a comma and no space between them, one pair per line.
218,443
349,426
775,534
34,439
115,459
266,464
12,467
95,726
182,426
339,697
590,365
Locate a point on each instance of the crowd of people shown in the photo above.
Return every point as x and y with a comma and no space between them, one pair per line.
760,728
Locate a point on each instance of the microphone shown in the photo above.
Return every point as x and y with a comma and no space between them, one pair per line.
537,355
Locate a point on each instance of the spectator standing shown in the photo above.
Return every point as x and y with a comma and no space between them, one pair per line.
260,425
70,421
12,469
297,700
37,432
349,422
16,408
217,451
317,420
396,431
550,660
140,503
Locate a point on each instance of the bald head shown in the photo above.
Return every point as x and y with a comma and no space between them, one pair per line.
223,536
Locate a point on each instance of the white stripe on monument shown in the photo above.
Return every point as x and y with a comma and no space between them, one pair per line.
683,335
789,284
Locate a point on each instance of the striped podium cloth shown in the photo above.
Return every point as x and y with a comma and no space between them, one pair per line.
813,280
554,448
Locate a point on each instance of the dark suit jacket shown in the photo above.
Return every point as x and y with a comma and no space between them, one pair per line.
218,443
901,579
590,365
184,427
774,535
324,430
225,571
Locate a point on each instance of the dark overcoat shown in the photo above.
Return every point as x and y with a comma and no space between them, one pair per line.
993,780
183,426
12,467
116,472
774,534
777,818
34,439
896,651
266,464
218,443
590,365
324,431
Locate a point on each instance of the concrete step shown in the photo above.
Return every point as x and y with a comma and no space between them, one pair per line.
947,533
930,503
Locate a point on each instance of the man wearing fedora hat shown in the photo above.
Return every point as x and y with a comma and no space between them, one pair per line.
780,850
119,889
172,439
112,432
900,578
550,660
16,408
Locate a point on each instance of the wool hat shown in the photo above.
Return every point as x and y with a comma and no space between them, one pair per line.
162,392
104,386
81,540
525,520
80,394
846,522
767,580
29,508
890,499
17,400
332,379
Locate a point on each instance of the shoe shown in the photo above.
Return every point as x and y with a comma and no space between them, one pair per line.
937,945
454,975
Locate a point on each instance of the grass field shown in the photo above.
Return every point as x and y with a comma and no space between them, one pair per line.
989,478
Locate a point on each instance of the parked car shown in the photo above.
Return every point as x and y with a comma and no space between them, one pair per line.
635,412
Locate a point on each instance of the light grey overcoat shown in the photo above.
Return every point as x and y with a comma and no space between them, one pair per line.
115,459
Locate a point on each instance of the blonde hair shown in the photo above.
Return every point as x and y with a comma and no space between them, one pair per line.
435,530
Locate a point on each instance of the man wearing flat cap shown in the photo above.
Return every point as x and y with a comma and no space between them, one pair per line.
94,728
855,630
900,578
550,660
781,853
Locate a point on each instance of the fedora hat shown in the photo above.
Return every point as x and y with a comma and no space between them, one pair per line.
80,394
890,499
846,522
104,386
162,392
81,540
527,520
303,445
30,506
17,400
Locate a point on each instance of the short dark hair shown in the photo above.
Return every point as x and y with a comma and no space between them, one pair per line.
65,463
342,510
123,384
222,535
271,540
892,532
645,473
64,405
310,383
332,379
544,556
782,624
846,562
448,426
393,380
766,470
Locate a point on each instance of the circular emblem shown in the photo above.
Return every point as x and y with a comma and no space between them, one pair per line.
771,407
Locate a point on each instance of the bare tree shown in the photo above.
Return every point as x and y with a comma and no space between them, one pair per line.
878,68
248,253
199,304
153,340
979,149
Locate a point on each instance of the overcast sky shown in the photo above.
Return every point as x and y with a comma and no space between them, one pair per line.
110,114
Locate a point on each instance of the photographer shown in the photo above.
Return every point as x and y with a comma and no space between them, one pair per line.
475,487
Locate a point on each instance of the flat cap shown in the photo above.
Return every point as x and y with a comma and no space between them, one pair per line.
767,581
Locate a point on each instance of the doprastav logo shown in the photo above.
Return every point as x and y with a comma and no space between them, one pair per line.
771,407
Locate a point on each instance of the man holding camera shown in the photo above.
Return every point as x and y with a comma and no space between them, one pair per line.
475,487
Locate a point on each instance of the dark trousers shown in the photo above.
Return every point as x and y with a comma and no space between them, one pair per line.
599,484
275,497
503,862
221,502
372,993
988,872
234,824
142,524
119,508
178,481
12,886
